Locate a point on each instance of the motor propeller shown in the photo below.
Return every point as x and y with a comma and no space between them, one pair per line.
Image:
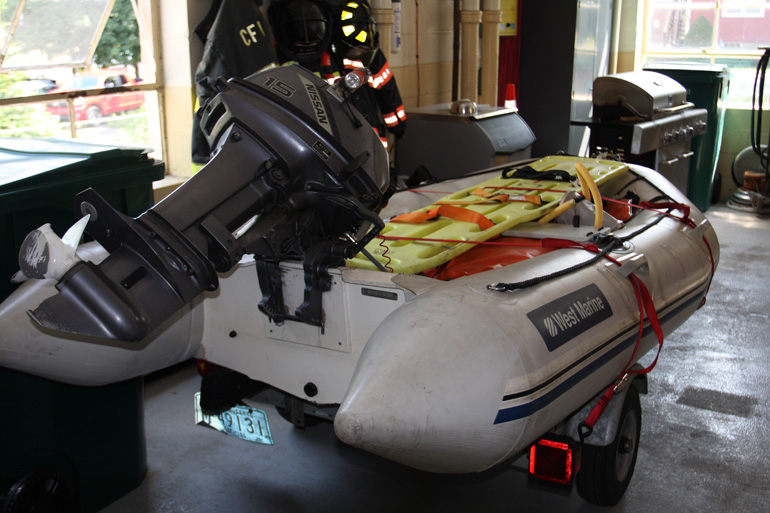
44,255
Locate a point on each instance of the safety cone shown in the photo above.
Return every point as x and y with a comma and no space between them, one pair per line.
510,97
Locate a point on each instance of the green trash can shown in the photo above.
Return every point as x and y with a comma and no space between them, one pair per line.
39,179
707,86
64,447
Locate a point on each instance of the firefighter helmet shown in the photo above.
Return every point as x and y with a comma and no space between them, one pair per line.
302,29
355,37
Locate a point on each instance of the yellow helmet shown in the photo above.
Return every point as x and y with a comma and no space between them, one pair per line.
354,33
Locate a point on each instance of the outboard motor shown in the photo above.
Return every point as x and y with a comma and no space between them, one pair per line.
296,174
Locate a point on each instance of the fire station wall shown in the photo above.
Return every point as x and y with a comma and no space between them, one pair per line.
177,83
430,47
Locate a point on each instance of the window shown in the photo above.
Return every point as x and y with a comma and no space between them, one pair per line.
742,9
729,32
80,69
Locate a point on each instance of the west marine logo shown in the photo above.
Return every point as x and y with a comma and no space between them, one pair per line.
565,318
316,101
578,312
551,326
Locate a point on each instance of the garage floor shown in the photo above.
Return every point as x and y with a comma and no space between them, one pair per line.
704,440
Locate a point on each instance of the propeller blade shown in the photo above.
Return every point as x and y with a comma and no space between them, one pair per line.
44,255
75,233
19,277
34,253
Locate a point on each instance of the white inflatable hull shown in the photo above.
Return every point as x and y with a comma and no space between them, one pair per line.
461,379
441,376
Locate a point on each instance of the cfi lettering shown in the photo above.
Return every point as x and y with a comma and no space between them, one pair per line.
249,34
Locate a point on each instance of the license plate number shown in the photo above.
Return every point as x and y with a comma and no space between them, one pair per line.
240,421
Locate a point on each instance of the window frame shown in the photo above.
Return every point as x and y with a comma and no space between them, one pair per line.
99,29
713,53
147,32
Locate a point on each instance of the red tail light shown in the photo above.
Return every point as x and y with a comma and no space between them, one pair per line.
551,461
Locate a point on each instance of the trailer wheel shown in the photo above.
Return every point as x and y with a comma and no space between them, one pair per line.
606,471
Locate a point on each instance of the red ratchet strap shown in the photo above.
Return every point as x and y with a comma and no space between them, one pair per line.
646,205
686,220
646,305
537,243
685,209
456,213
567,244
455,241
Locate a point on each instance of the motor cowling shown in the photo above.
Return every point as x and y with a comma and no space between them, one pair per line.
296,173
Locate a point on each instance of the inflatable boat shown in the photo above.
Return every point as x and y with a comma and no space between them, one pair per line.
450,333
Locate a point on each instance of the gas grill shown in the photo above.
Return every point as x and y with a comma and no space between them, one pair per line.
643,117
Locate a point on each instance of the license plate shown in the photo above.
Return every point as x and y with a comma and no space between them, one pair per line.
240,421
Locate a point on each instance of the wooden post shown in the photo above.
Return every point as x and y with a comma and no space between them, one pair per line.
470,19
382,11
490,50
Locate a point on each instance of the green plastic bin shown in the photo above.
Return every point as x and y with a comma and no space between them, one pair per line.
40,178
64,447
69,448
707,86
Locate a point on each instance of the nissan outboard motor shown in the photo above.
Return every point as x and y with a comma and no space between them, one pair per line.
296,174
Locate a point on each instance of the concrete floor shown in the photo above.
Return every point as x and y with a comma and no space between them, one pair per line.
704,440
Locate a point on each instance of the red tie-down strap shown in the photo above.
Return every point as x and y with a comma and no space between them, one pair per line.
646,306
685,209
660,205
